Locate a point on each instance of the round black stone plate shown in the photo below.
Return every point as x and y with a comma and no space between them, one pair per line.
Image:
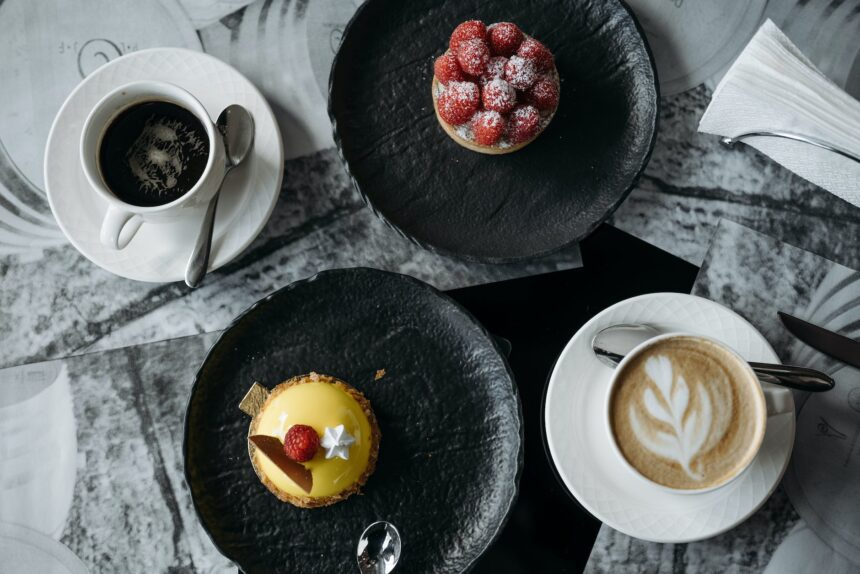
505,207
451,449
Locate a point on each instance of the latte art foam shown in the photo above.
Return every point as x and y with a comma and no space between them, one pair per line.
687,414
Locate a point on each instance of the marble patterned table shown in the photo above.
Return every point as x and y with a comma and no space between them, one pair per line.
54,303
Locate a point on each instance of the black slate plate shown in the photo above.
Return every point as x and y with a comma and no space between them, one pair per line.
451,450
494,208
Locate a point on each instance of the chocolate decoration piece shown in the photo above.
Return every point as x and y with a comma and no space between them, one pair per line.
254,399
274,450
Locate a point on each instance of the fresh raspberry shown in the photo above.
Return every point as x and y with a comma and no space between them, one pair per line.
499,96
523,124
469,30
473,56
495,69
544,94
446,69
505,38
301,443
533,50
520,73
488,127
459,102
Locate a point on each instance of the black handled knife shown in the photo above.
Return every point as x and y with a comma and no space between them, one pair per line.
833,344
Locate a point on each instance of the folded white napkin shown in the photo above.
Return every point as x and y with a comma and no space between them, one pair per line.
772,86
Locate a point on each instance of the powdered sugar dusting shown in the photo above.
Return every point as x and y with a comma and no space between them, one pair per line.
458,101
446,69
499,96
465,131
473,56
536,52
505,32
489,119
495,69
488,127
525,113
523,124
504,38
463,91
543,94
520,73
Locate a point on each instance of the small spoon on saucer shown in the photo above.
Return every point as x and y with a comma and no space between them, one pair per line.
378,548
237,127
612,343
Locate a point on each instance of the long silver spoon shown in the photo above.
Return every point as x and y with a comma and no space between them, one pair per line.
237,127
612,343
378,548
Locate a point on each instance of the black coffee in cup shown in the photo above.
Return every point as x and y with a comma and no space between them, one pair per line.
153,153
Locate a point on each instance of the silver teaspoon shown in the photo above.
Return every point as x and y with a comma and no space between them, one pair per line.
378,548
237,127
611,344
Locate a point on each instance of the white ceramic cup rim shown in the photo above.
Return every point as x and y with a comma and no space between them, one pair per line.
614,381
152,90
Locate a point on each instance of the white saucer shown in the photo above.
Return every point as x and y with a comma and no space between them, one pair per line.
24,551
159,252
580,448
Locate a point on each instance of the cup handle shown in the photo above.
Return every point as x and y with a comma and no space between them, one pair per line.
779,400
119,227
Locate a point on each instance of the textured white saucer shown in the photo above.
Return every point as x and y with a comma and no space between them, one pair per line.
159,252
579,445
26,551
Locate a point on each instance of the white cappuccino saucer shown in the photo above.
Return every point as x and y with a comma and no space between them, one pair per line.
159,251
574,417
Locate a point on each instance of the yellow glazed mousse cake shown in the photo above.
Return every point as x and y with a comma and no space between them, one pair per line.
313,440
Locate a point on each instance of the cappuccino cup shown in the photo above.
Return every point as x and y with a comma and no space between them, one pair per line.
687,413
151,151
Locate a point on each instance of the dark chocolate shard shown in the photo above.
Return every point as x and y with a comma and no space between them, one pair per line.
274,451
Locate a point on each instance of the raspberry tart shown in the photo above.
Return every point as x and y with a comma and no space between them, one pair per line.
313,439
495,89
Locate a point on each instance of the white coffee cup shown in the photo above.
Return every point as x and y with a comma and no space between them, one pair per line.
775,400
123,219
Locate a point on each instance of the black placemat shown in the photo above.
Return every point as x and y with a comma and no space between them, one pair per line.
548,531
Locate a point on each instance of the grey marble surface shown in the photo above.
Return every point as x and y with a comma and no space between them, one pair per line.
127,407
130,510
53,302
692,182
62,304
58,303
757,275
